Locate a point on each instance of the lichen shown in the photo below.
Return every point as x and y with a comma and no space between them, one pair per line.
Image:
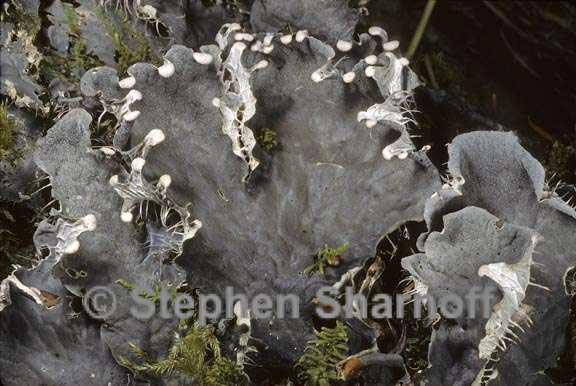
12,12
238,103
294,71
20,66
513,280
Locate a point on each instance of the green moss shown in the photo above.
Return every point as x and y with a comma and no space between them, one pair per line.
8,126
124,284
327,256
153,295
224,372
79,58
194,354
125,55
69,67
318,364
268,139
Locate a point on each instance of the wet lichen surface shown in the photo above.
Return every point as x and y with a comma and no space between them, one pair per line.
168,149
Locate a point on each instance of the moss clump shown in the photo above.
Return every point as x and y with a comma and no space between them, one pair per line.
125,55
224,372
268,139
560,160
72,66
79,57
327,256
195,354
8,127
318,364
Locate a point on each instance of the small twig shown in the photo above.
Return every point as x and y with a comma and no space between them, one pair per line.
504,18
541,131
421,28
517,56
